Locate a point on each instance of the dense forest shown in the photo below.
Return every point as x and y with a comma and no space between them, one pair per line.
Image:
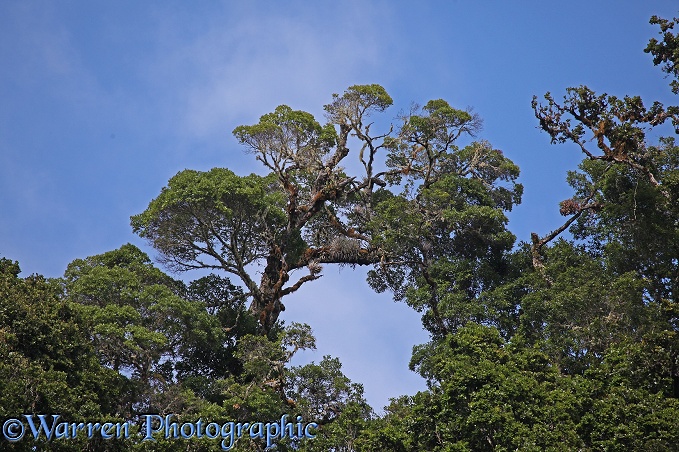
565,340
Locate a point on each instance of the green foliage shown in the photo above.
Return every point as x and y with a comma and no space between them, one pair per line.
357,101
667,50
325,395
446,230
308,211
48,364
135,315
117,338
569,346
486,394
203,213
288,134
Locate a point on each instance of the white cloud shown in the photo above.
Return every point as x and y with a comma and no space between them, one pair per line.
245,65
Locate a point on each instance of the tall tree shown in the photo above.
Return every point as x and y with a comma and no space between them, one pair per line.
626,190
308,211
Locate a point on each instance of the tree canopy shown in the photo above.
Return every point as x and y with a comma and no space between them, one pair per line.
420,195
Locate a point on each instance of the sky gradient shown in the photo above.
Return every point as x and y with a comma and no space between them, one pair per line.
102,102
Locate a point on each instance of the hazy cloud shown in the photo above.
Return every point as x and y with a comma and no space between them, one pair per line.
240,69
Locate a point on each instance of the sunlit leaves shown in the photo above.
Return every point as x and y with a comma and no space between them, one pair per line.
213,214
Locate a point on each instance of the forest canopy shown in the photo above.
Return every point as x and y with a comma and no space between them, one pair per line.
566,340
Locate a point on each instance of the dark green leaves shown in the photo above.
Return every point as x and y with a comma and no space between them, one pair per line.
216,215
356,102
666,52
288,137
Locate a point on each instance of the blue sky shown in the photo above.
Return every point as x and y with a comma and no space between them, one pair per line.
102,102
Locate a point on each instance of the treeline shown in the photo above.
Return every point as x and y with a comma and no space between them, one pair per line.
117,338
